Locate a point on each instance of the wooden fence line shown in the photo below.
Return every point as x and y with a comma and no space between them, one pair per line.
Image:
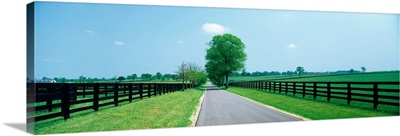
67,93
341,90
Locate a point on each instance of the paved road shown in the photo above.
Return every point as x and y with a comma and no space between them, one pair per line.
224,108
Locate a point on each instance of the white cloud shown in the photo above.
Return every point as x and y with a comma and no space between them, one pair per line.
90,32
119,43
180,42
213,28
291,46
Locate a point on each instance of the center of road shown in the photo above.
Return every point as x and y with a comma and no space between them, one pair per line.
220,107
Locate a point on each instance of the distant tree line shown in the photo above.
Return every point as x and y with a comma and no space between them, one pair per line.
129,78
298,71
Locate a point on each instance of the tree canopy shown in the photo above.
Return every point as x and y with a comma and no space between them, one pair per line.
363,69
191,72
300,70
225,55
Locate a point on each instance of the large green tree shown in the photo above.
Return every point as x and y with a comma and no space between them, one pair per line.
225,55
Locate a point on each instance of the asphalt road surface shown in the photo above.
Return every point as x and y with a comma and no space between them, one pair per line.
220,107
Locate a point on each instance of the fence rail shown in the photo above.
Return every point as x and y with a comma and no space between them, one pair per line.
376,93
68,98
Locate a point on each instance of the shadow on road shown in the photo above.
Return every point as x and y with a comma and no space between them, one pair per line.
212,89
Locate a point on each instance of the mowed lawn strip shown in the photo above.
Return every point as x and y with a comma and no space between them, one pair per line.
315,110
164,111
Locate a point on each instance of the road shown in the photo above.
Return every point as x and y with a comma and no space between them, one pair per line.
220,107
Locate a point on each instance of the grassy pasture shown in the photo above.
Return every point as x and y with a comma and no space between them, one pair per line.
312,109
364,77
359,77
162,111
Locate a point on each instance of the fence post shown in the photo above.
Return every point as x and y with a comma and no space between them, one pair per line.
49,101
286,90
148,90
124,89
304,89
75,91
66,101
261,85
116,94
166,88
269,86
328,89
130,92
155,89
294,88
105,89
141,91
315,91
84,90
96,97
348,93
375,95
280,87
159,89
163,88
274,86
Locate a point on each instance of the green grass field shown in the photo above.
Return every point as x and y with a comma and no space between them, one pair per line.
164,111
359,77
363,77
312,109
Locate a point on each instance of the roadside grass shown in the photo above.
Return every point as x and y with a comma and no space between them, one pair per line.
162,111
312,109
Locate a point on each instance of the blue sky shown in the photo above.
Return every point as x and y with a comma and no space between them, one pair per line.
106,40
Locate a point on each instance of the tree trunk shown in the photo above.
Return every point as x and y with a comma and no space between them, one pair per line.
226,80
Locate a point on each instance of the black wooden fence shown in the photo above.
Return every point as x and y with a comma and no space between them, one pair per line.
384,93
43,98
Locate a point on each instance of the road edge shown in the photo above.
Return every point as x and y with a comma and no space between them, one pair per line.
195,115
